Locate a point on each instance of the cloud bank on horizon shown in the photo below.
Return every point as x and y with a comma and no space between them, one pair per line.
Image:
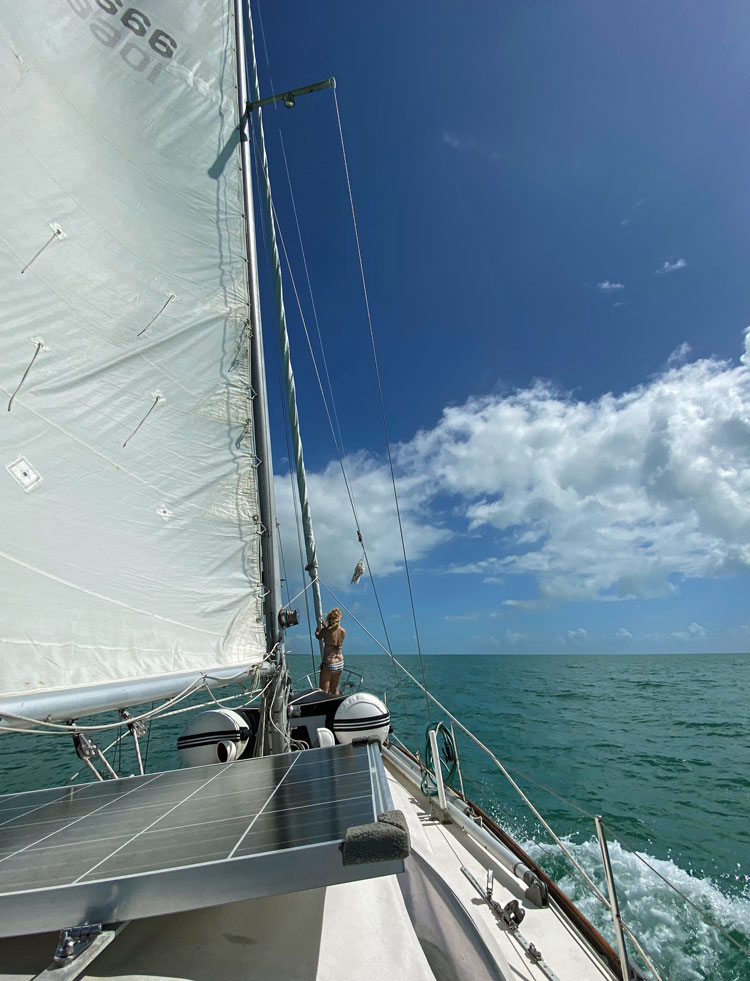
615,498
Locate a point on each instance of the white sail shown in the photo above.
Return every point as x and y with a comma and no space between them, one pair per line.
129,525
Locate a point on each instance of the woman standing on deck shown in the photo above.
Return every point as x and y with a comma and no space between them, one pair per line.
332,634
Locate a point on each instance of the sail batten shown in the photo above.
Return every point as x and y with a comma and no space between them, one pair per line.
130,518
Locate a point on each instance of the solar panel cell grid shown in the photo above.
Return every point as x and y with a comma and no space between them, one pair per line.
164,821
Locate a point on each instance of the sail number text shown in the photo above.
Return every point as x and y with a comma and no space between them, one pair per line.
128,21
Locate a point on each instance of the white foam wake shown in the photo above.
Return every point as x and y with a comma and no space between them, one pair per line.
680,942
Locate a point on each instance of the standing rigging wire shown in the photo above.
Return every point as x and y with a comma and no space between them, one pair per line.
336,444
312,304
380,395
295,501
339,445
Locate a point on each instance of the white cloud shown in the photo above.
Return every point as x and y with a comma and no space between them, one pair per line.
624,633
335,531
618,497
468,143
514,636
633,491
578,634
607,287
745,356
668,267
694,632
679,355
461,617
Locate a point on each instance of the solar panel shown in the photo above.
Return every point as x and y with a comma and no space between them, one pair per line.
164,842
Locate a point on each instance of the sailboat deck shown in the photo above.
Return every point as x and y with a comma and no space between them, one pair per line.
124,849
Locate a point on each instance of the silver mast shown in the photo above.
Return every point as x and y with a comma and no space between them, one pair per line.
271,575
291,391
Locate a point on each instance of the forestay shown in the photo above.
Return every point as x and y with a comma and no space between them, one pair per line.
129,520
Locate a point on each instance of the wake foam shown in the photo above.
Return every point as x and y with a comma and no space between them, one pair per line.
682,945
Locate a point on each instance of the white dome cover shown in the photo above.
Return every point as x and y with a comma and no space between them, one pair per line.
361,717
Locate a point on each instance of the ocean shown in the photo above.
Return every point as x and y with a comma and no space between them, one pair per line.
657,745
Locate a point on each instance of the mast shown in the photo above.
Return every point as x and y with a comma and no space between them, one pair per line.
275,701
271,576
291,391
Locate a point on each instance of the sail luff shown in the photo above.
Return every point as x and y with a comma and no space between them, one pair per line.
291,391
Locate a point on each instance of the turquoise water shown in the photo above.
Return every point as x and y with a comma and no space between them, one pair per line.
658,745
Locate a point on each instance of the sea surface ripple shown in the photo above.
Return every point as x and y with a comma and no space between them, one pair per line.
657,745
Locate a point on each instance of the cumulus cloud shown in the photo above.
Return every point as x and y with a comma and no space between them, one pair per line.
668,267
694,632
607,287
335,531
619,497
578,634
679,355
624,633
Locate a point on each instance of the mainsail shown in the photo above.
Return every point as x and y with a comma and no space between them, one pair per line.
130,527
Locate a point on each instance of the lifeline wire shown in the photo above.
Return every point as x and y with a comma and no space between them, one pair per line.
380,394
541,820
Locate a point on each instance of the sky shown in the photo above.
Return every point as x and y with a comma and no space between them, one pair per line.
553,211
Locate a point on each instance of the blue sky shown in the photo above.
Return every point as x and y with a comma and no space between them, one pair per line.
553,207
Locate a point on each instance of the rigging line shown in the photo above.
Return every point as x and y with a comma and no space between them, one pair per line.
380,395
296,504
119,755
265,51
304,589
310,291
709,919
283,563
639,947
258,167
148,740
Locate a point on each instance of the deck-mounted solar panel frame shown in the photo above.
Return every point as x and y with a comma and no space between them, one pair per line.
185,839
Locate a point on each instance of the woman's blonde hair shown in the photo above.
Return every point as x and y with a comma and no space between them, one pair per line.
333,617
